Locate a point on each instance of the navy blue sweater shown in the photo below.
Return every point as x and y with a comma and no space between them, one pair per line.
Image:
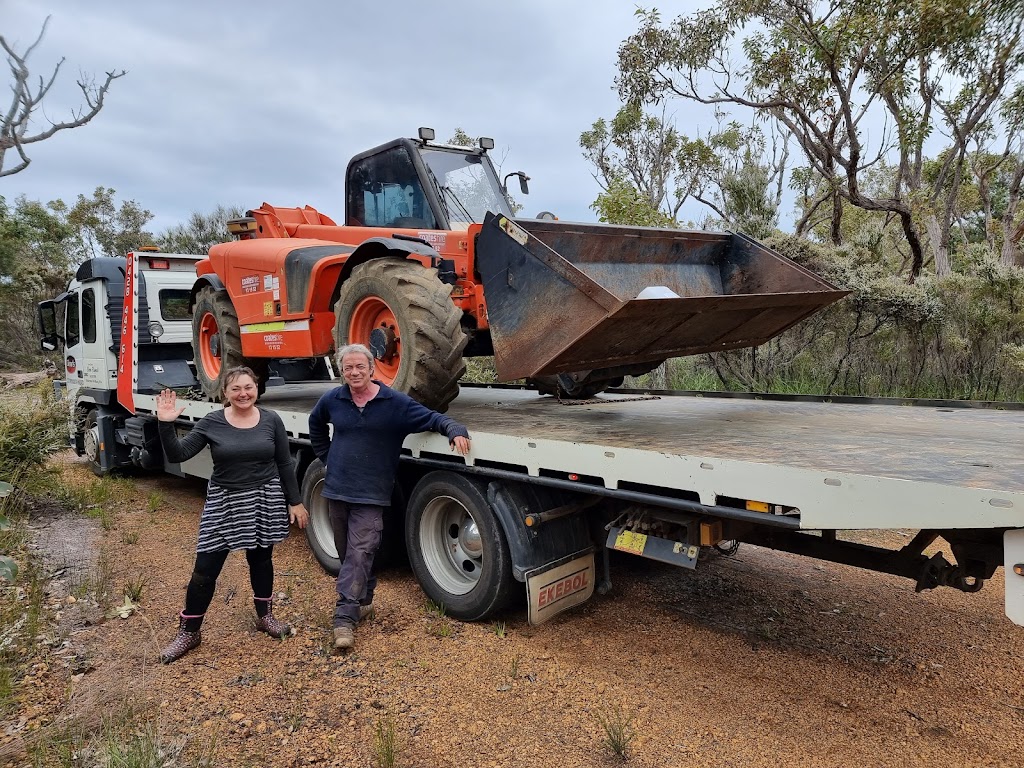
362,458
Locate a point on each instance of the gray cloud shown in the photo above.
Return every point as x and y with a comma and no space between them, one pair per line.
237,103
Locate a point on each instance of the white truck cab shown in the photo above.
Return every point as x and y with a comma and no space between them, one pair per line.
88,320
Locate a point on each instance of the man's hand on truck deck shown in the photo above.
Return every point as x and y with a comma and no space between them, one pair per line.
460,445
167,406
297,515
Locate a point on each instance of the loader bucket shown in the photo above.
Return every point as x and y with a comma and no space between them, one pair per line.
565,297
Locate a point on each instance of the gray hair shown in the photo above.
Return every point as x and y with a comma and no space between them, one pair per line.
355,349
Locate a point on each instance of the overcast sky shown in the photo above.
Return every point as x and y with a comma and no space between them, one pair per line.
240,103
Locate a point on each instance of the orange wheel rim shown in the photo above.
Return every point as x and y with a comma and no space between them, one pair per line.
371,315
209,345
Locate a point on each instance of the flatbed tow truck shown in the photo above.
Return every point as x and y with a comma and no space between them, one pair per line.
551,488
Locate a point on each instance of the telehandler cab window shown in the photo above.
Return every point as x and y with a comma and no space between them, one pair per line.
385,191
468,186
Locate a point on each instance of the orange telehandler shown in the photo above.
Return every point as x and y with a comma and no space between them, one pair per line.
431,266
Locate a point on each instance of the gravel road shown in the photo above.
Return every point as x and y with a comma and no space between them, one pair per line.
761,659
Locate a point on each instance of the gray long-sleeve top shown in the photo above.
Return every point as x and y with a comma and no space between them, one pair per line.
242,458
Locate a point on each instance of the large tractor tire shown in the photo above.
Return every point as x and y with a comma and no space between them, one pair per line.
217,343
406,317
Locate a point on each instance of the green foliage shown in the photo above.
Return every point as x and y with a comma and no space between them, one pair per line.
40,246
123,739
29,434
958,337
623,203
386,747
200,232
648,170
820,67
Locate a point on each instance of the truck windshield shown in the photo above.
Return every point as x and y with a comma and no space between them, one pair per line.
467,186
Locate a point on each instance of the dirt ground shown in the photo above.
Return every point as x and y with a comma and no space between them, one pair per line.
762,659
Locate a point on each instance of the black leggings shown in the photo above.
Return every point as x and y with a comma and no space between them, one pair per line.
208,567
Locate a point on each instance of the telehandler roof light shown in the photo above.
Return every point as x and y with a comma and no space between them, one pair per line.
426,134
486,143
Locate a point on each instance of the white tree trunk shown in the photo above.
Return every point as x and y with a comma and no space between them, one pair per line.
941,253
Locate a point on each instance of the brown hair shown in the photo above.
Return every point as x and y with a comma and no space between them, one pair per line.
233,373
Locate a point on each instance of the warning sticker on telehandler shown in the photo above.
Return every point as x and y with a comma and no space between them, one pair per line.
513,230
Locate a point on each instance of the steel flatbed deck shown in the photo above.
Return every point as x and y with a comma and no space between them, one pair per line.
843,466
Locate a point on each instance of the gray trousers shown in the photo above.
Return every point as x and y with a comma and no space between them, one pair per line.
357,533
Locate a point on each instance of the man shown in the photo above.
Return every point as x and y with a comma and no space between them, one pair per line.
370,422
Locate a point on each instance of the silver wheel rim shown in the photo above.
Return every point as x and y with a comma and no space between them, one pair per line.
451,545
92,443
320,522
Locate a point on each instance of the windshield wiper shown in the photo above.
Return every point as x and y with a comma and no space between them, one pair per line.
439,190
455,198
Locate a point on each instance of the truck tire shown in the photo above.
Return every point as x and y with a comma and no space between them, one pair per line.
217,343
457,548
405,315
320,534
91,443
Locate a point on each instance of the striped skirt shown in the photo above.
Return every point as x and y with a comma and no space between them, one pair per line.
257,517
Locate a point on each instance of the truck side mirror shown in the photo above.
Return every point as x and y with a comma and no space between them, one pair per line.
48,337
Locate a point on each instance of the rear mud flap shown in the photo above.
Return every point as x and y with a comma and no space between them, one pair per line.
558,586
1013,554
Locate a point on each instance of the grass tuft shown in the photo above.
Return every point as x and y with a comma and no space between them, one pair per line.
618,730
385,742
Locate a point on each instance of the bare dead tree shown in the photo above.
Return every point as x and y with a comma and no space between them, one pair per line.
16,129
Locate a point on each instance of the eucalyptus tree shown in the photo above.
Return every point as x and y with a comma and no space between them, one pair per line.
647,170
856,82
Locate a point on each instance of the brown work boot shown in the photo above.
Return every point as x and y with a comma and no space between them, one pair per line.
344,637
366,612
272,626
182,643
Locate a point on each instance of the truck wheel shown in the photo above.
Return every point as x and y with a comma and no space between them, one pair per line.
457,547
320,534
91,443
406,317
217,343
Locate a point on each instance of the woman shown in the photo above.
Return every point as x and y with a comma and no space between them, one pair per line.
253,477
